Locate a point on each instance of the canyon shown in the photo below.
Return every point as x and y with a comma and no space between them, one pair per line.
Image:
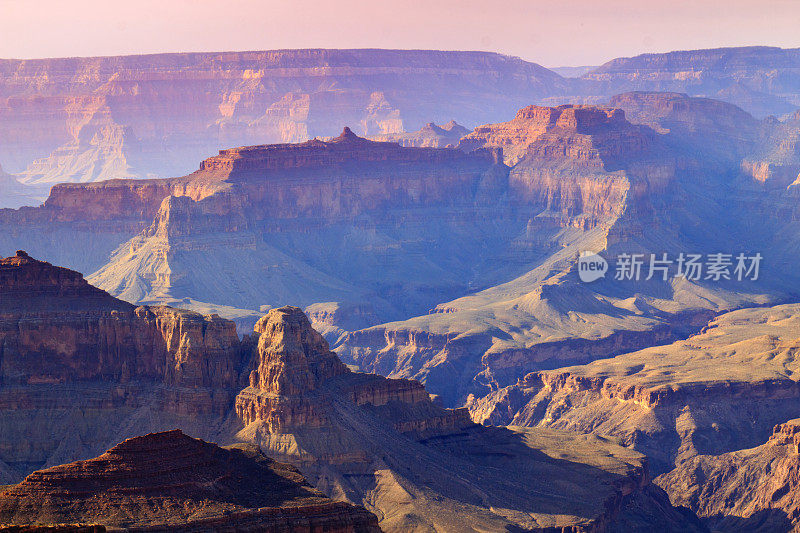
97,118
382,443
587,178
715,413
446,262
90,119
401,314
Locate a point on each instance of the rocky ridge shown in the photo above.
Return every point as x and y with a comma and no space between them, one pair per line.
358,437
170,481
429,136
717,391
760,79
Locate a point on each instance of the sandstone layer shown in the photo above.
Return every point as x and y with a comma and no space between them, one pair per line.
168,481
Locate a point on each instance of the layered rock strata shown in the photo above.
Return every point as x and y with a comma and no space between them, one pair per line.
169,481
717,391
752,489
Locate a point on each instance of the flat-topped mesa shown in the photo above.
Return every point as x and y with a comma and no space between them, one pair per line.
347,148
169,481
567,132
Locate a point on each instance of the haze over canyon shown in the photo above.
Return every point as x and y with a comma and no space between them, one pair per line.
355,275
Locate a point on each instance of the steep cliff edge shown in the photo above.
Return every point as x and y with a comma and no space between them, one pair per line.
56,328
717,391
748,490
171,481
383,443
419,467
320,221
79,368
85,119
744,76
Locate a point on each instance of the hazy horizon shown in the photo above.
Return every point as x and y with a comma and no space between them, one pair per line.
575,33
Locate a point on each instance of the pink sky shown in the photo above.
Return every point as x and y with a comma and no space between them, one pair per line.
551,32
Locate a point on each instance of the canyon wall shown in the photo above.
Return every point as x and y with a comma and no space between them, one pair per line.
90,119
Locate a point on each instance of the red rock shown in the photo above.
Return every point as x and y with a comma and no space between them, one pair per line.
56,328
171,481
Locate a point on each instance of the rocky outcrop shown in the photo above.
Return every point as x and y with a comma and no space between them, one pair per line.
371,438
56,328
268,196
429,136
753,489
292,371
171,481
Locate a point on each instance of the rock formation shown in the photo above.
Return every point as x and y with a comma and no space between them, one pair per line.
429,136
384,443
56,328
744,76
584,178
87,119
753,489
170,481
420,467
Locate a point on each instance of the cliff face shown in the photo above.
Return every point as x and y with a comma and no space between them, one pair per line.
359,437
168,480
717,391
56,328
370,203
369,438
87,119
294,367
743,76
752,489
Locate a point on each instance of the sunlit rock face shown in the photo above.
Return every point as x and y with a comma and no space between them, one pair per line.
168,480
